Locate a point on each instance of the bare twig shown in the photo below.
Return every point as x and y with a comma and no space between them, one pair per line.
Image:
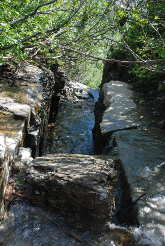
149,62
34,12
39,35
139,198
157,31
132,52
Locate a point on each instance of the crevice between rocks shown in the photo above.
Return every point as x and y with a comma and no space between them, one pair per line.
99,139
127,212
43,102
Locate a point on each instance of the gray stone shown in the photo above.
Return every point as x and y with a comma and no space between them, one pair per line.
79,86
24,109
30,73
82,96
18,109
24,155
120,110
77,89
76,181
142,155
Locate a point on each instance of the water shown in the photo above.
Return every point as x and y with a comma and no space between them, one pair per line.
72,131
29,225
142,152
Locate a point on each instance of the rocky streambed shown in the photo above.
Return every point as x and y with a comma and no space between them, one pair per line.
126,135
69,196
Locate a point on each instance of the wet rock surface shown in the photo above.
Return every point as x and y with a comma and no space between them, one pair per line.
141,152
72,132
84,183
32,226
29,225
86,190
145,169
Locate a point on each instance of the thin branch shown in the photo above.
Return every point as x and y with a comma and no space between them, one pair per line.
152,69
39,35
34,53
132,52
34,12
139,198
98,21
157,31
149,62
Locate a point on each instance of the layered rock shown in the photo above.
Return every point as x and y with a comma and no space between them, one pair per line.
24,110
114,111
88,184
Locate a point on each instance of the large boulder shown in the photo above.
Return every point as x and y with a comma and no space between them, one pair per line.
78,182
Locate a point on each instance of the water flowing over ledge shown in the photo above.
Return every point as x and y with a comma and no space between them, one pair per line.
125,135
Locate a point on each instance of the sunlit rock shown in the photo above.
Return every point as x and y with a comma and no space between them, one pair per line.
120,110
18,109
24,109
23,158
143,158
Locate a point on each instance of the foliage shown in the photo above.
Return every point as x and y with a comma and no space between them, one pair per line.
88,73
142,30
72,31
50,28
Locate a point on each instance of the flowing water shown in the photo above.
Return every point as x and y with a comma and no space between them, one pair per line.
142,152
29,225
143,157
72,131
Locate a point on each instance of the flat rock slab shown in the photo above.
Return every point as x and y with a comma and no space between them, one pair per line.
75,181
120,110
142,155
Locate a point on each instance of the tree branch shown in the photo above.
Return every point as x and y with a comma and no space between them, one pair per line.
157,31
132,52
40,35
144,62
34,12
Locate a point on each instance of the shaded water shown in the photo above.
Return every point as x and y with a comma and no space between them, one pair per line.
29,225
72,131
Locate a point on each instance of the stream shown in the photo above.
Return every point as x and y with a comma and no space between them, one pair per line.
72,131
29,225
